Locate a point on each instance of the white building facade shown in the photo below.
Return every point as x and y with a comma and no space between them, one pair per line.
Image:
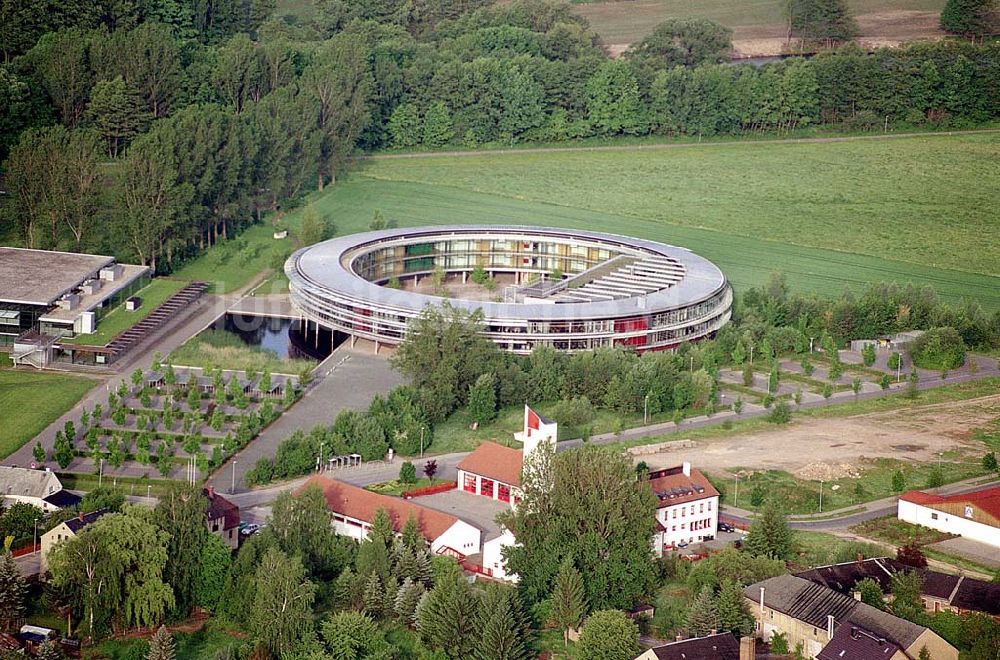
972,515
687,507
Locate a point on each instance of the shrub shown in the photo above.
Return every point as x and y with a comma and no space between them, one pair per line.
781,413
407,473
938,348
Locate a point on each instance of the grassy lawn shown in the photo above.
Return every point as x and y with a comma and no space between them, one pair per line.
118,320
623,22
234,263
218,349
897,532
126,485
821,549
396,488
32,400
211,642
849,213
801,496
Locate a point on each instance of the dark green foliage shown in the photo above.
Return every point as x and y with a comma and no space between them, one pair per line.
898,481
13,590
502,627
353,635
935,477
686,42
181,514
821,20
990,462
102,498
938,348
871,593
280,618
969,18
568,500
906,602
446,617
702,618
732,610
568,605
407,473
608,635
769,535
781,413
482,398
213,566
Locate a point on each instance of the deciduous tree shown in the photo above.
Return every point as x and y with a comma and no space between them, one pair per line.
281,618
608,635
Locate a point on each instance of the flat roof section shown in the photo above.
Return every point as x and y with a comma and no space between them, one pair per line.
130,273
41,277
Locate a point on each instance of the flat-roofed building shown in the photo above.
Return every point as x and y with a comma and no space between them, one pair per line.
973,515
49,294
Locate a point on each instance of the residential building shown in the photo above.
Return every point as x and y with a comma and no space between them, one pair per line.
687,508
722,646
973,516
40,488
354,509
65,530
810,614
855,643
492,558
939,591
222,517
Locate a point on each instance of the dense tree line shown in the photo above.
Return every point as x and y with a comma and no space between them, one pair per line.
152,129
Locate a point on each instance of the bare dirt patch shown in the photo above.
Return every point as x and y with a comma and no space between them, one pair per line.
834,448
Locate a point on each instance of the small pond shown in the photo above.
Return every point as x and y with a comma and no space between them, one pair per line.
286,338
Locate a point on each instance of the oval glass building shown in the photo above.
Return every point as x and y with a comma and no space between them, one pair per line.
568,289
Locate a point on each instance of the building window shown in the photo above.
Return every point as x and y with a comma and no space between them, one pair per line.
933,516
710,505
701,508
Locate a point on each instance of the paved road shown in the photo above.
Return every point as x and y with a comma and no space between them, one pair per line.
348,379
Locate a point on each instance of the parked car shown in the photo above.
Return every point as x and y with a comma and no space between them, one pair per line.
726,527
708,537
251,528
682,544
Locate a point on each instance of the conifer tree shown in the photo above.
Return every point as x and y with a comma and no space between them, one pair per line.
702,618
446,616
502,627
374,596
769,534
407,599
732,610
373,553
161,646
568,606
969,18
12,592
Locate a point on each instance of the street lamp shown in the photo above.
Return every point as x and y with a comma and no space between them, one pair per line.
421,441
34,538
232,488
645,409
148,487
319,464
100,473
736,496
821,496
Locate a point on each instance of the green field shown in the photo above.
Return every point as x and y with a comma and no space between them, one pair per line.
32,400
829,215
216,349
119,319
621,22
235,263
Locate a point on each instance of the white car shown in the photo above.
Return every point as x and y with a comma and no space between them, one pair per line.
252,528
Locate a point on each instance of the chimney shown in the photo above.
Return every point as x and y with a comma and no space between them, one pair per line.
686,468
748,648
80,516
211,491
713,631
679,638
762,600
829,626
860,558
857,595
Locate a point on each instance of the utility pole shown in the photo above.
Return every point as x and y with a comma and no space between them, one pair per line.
34,538
751,355
232,488
736,496
645,409
821,496
421,442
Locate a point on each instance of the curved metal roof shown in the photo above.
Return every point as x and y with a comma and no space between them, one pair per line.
321,266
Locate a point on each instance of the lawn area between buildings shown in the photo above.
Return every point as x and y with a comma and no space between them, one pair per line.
216,349
118,320
31,400
891,529
396,487
125,485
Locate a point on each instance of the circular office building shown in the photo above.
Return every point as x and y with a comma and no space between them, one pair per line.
569,289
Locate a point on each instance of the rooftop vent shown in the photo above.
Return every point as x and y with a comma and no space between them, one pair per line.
69,301
90,287
112,273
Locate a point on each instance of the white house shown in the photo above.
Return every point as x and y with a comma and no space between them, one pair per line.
973,516
354,510
687,508
65,530
40,488
493,563
494,471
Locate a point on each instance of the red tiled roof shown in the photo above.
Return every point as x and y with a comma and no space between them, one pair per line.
672,486
917,497
220,507
986,500
495,462
362,504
